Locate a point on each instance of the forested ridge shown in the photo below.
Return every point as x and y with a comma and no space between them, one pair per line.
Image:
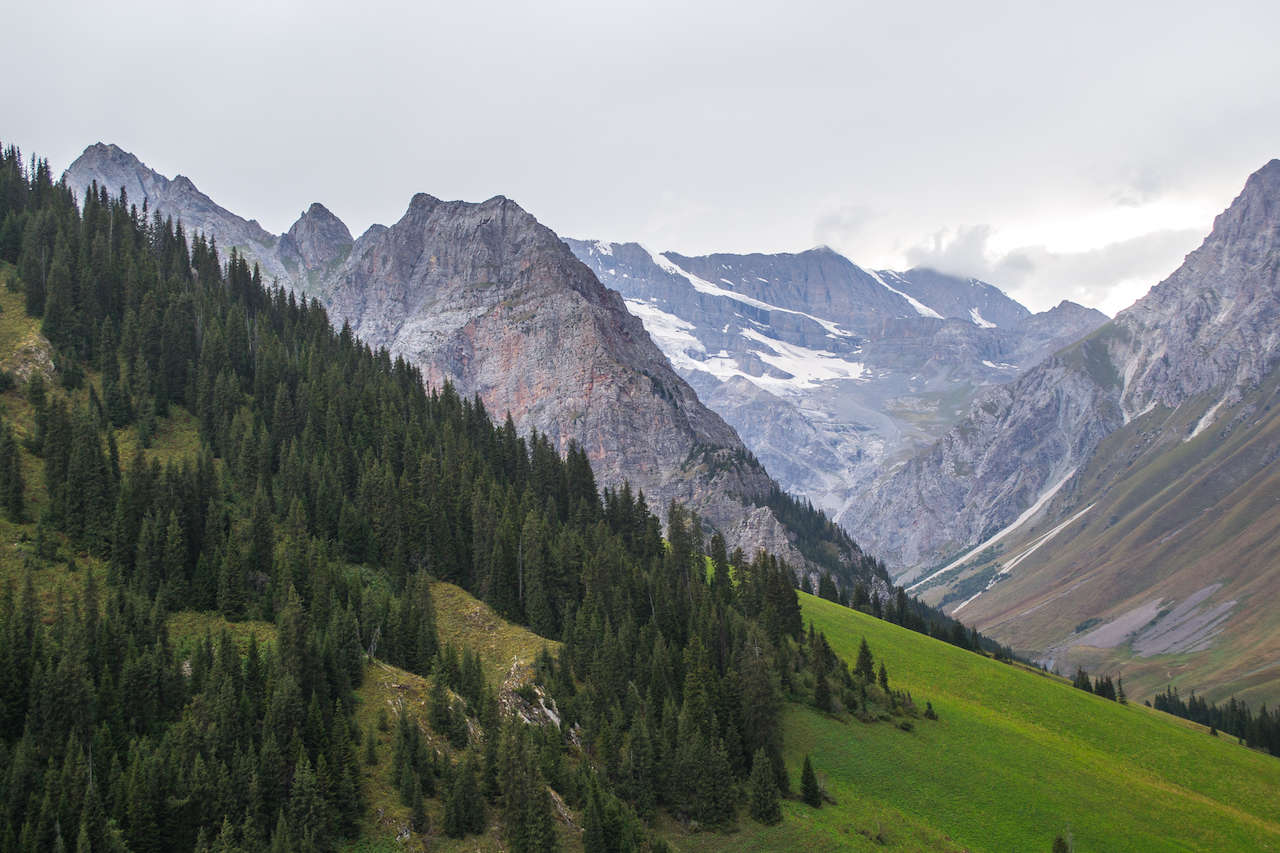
326,487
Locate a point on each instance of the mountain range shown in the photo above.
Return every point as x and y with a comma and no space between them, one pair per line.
831,373
485,297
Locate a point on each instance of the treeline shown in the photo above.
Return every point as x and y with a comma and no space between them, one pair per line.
1259,730
908,611
1101,685
822,541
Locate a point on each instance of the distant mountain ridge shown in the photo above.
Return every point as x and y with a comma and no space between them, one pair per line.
485,297
830,372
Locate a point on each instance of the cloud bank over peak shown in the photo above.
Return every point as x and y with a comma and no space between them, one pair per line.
1109,277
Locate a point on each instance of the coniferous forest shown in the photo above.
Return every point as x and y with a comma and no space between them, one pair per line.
327,487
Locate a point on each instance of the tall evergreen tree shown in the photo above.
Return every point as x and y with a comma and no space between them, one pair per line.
762,792
810,793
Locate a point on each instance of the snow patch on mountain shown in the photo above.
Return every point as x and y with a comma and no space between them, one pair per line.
672,334
703,286
921,309
1026,516
979,320
808,367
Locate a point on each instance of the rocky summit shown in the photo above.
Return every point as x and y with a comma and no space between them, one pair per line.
485,297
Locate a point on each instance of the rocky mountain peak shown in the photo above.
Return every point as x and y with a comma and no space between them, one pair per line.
1212,324
317,239
423,202
114,168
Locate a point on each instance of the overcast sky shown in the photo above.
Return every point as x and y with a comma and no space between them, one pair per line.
1077,152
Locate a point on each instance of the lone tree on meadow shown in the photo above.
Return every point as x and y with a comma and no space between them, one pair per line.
809,790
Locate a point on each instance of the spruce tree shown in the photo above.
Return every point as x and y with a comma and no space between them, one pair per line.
11,484
810,793
762,792
822,693
865,666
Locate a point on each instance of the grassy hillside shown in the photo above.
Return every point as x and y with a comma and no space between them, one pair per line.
1017,757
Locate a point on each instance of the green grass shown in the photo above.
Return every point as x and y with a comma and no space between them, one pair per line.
189,627
463,620
177,438
21,344
1017,757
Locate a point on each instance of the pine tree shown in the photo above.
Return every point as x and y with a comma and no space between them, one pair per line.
865,666
762,792
810,793
822,693
417,810
11,484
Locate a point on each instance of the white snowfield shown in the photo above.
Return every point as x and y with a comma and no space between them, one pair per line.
979,320
921,309
806,367
703,286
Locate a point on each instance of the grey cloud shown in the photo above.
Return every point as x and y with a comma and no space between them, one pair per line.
1143,186
715,126
842,226
1040,277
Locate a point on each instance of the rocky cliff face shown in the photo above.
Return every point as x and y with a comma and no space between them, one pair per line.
829,372
1209,331
1213,324
485,297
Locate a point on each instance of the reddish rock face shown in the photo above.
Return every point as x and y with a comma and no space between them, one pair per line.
485,297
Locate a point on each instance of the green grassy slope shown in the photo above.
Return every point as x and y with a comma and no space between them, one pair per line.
1017,757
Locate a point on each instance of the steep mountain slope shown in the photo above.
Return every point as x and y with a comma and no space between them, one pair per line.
485,297
828,371
1114,504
